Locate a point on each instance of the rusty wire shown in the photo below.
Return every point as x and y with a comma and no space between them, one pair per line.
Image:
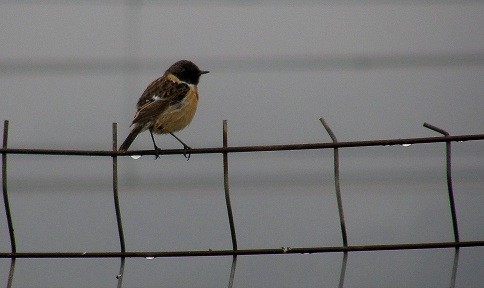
449,178
240,252
234,252
117,208
336,182
239,149
4,189
227,189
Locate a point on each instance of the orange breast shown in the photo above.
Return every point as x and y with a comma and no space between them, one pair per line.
173,120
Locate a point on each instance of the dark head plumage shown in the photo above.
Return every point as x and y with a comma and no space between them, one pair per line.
186,71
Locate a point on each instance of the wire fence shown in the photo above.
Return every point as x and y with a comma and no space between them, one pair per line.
225,150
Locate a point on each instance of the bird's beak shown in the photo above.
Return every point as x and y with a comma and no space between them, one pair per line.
204,72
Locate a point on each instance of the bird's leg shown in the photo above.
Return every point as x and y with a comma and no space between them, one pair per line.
186,153
157,152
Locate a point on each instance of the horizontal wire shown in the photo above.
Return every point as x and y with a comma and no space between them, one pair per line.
240,149
269,251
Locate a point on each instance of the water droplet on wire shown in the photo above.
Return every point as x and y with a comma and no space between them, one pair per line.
285,249
149,258
406,145
135,157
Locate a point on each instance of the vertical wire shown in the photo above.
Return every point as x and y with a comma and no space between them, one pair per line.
115,191
339,201
13,246
337,183
227,189
342,272
453,276
229,205
450,190
11,273
232,271
121,272
116,205
449,179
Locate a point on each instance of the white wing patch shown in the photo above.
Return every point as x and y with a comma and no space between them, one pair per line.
155,97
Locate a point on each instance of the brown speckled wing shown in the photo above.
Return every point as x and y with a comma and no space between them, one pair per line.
163,89
159,95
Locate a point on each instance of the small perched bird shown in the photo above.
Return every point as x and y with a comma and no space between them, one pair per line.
168,104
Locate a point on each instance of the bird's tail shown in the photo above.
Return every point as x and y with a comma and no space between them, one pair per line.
132,135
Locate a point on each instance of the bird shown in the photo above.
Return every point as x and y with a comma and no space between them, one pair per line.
167,105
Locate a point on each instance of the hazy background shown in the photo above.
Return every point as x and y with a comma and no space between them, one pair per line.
372,69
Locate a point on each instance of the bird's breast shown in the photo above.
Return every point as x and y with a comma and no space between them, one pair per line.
178,116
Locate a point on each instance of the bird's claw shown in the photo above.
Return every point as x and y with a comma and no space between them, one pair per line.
186,152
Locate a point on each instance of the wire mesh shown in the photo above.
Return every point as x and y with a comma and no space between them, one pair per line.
225,150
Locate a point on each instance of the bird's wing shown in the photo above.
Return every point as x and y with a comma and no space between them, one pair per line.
157,97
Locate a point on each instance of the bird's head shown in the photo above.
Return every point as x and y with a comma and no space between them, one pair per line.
186,71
